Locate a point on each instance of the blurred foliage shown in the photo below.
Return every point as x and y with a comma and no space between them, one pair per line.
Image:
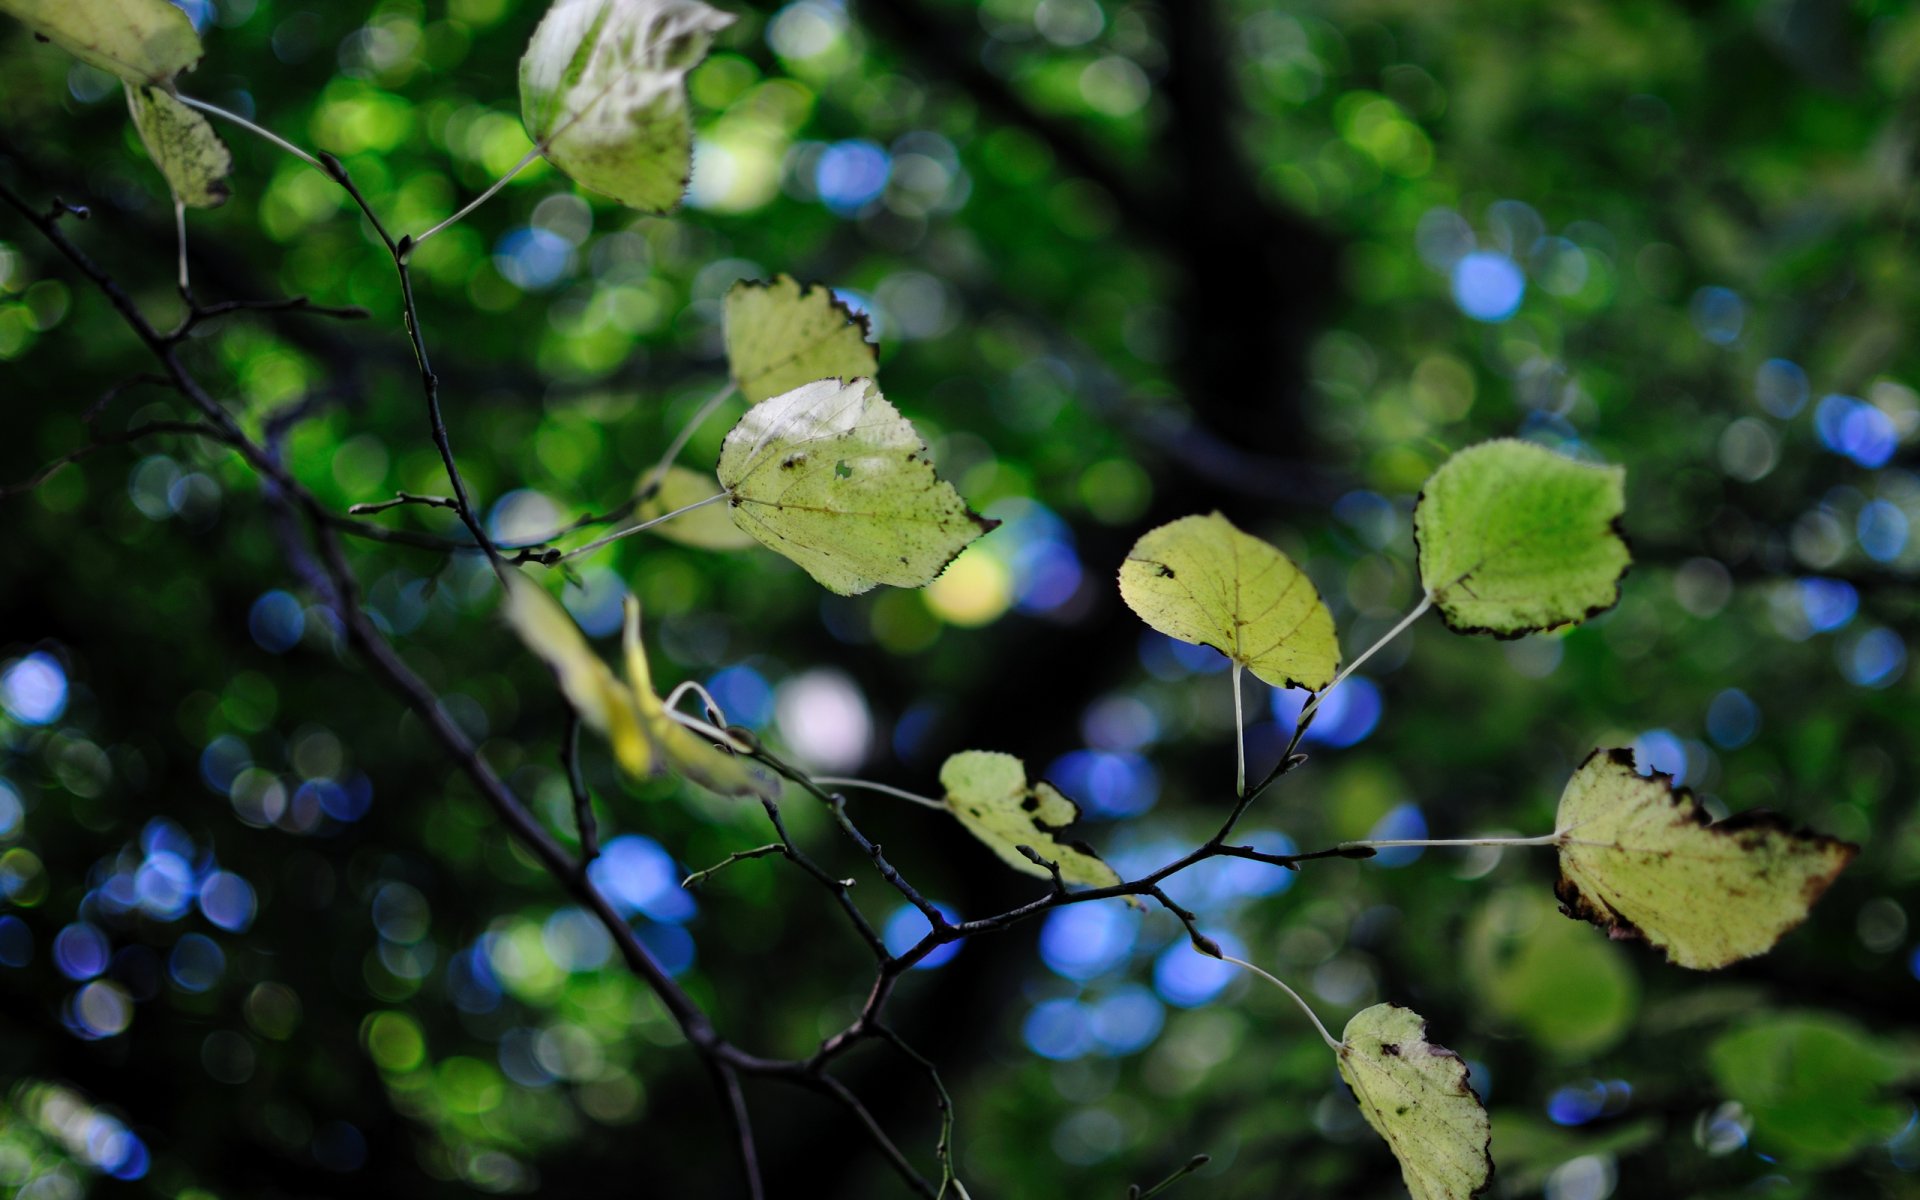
1125,262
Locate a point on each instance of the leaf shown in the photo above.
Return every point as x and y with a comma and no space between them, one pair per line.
603,94
709,528
603,703
1201,580
831,476
145,42
185,148
1641,859
1816,1085
685,751
1514,539
1415,1095
781,335
989,794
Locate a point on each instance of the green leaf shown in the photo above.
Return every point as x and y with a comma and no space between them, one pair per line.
781,335
831,476
708,528
989,794
1641,859
1514,539
185,148
1815,1085
1201,580
1573,994
1415,1095
145,42
603,94
603,703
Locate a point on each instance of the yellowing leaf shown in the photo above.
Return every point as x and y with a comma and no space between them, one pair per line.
185,148
145,42
1641,859
685,751
603,93
709,528
831,476
603,703
1514,539
989,794
1201,580
781,335
1415,1095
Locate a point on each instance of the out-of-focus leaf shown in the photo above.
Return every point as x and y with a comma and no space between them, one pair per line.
144,42
185,148
708,528
1813,1084
603,703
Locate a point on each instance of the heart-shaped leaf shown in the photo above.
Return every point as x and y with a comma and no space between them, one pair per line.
145,42
1641,859
1203,581
781,335
1415,1095
1515,539
603,94
989,794
185,148
832,477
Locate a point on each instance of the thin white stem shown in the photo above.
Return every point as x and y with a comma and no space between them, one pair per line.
1332,1044
869,785
706,698
1550,839
1239,738
1419,610
180,231
686,433
630,530
483,197
250,127
713,731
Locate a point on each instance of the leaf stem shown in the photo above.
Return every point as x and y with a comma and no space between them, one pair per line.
1306,1008
180,232
482,198
1419,610
869,785
1550,839
250,127
630,530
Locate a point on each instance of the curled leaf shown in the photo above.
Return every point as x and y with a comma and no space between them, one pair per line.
781,334
1641,859
144,42
1515,538
1415,1095
1201,580
183,145
708,528
603,94
832,477
604,704
989,794
685,751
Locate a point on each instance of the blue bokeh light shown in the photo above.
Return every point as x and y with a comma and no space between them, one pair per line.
1732,719
638,875
228,901
1127,1020
16,942
1488,286
33,689
1781,387
1662,751
671,945
196,963
1875,659
1849,426
1828,604
906,925
1718,314
81,951
277,621
222,761
744,694
532,259
850,175
1186,978
1402,822
1082,941
1882,529
1059,1029
1106,784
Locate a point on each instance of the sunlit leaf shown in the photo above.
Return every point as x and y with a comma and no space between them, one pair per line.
1515,538
1415,1095
1201,580
603,93
831,476
685,751
990,795
1641,859
709,528
603,703
185,148
145,42
781,335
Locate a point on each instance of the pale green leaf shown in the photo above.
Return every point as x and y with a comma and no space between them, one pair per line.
709,528
989,794
604,704
603,94
1641,859
1819,1088
145,42
832,477
1415,1095
1515,538
1201,580
687,752
185,148
781,335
